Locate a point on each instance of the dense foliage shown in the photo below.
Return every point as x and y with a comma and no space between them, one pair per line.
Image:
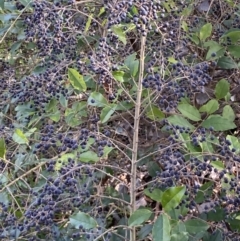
119,120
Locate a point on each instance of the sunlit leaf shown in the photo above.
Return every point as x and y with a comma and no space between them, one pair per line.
76,80
210,107
205,31
19,137
189,111
172,197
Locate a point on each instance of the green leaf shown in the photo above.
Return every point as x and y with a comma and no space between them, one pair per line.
56,116
132,63
161,229
228,113
189,111
19,137
179,120
88,23
89,156
155,113
102,10
139,216
215,48
233,34
216,236
234,50
205,189
219,123
179,236
226,63
221,89
205,32
117,29
210,107
76,80
82,219
180,227
63,159
144,231
2,148
63,101
118,75
107,112
155,194
234,143
97,99
16,45
172,197
2,4
194,226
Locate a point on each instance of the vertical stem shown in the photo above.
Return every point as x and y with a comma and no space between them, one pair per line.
135,135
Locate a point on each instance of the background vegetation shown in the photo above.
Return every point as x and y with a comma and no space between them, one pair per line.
119,120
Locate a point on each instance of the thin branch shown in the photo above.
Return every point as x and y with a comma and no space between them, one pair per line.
135,134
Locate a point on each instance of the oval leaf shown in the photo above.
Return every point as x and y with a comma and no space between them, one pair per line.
190,112
82,220
139,216
107,112
155,194
221,89
219,123
172,197
196,225
205,31
161,229
97,99
76,80
19,137
89,156
179,120
210,107
2,148
228,113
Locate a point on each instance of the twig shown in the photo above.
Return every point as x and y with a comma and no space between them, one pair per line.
135,134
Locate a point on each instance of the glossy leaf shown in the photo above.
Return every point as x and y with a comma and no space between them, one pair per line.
107,112
219,123
97,99
189,111
82,220
89,156
210,107
2,148
76,80
172,197
221,89
194,226
205,31
19,137
161,228
228,113
139,217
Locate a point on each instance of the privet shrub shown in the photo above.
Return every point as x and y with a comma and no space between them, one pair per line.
119,120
